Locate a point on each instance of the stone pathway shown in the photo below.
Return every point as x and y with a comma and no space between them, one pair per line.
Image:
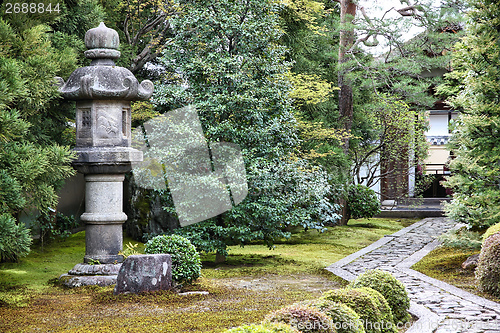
439,306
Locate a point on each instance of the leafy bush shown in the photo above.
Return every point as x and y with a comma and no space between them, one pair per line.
362,202
55,226
208,237
461,239
15,239
345,319
488,266
392,289
369,304
186,263
267,328
305,318
491,231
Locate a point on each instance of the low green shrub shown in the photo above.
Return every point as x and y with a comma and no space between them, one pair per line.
186,263
304,318
461,239
491,231
369,304
267,328
345,319
15,239
362,202
392,289
488,266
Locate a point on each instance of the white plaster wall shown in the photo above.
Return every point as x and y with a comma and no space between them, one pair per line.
438,125
376,186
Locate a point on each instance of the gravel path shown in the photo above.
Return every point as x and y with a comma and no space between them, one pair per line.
439,306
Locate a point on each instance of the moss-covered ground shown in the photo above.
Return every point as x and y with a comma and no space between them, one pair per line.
252,282
445,264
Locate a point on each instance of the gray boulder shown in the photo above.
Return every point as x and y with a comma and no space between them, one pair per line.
148,272
471,262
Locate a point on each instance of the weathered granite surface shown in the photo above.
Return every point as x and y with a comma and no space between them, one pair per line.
141,273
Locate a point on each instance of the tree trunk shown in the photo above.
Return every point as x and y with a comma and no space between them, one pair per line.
347,14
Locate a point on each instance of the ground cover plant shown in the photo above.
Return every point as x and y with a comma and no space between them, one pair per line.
252,283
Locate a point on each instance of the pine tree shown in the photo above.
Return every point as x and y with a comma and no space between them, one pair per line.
32,165
475,141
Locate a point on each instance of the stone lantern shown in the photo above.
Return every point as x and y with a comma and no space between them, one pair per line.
103,92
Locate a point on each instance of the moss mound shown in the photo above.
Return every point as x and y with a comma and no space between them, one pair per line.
392,289
345,319
369,304
488,266
494,229
304,318
267,328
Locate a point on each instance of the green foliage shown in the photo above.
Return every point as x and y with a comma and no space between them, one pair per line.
461,239
94,262
362,202
54,226
32,166
186,263
208,237
369,304
494,229
305,319
475,141
392,290
129,250
488,266
235,72
15,239
345,319
387,124
267,328
78,16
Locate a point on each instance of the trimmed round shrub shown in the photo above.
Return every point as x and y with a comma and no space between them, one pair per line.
306,319
345,319
488,266
362,202
186,263
369,304
15,239
494,229
267,328
392,289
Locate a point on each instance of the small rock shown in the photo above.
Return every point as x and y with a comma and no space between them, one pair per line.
148,272
471,262
188,293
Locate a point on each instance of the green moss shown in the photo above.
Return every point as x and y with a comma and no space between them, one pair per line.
305,252
392,290
143,207
306,319
491,231
369,304
445,264
269,328
488,267
48,307
345,319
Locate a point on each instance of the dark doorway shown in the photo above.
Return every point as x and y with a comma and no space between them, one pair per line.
435,189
